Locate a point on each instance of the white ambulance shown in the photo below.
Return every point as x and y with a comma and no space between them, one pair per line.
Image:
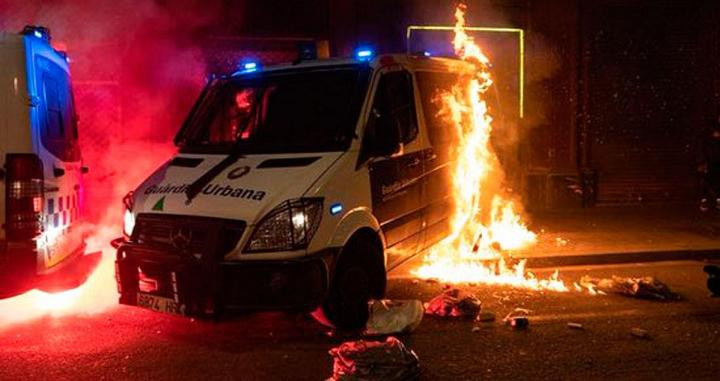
295,186
40,164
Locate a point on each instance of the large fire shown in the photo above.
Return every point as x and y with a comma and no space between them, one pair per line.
485,226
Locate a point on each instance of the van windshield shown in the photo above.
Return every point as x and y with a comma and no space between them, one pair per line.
313,110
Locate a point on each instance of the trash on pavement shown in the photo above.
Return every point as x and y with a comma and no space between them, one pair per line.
393,316
486,316
374,360
713,281
575,325
519,322
454,303
517,318
475,329
644,288
640,333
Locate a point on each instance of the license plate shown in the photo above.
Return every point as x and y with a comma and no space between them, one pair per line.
160,304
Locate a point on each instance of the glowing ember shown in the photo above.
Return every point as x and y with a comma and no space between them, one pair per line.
485,226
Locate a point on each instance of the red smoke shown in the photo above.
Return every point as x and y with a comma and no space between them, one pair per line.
136,67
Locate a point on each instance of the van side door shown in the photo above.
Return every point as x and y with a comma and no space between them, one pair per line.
395,174
438,160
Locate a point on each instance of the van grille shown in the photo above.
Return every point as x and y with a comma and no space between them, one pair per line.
187,234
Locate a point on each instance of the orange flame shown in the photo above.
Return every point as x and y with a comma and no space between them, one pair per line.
476,251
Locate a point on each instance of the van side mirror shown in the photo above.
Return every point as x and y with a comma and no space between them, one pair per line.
386,139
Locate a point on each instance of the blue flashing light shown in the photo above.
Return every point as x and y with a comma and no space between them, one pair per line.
248,67
364,54
427,54
336,208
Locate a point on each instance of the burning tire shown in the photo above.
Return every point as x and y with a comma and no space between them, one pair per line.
359,275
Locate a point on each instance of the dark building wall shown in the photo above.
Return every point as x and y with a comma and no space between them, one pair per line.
650,91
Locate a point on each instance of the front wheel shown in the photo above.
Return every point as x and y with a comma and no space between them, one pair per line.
358,276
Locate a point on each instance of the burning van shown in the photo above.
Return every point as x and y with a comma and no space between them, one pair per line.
41,185
295,186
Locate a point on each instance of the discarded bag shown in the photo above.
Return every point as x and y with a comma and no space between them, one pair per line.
393,316
374,360
713,281
454,303
644,288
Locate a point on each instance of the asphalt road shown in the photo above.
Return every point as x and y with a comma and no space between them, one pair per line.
130,343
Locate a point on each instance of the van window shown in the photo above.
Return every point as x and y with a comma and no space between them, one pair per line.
58,122
432,85
285,111
394,97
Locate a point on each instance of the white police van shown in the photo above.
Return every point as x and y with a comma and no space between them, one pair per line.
298,186
40,164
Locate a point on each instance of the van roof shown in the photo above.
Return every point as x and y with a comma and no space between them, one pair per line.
414,62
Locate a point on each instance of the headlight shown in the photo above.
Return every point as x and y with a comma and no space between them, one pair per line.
128,217
290,226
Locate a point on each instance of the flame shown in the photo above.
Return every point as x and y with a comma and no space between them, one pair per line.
477,250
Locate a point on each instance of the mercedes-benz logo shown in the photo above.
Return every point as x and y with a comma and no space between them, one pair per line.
181,237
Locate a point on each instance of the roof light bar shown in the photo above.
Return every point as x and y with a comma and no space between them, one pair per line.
364,54
40,32
248,67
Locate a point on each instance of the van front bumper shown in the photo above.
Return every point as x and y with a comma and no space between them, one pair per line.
205,287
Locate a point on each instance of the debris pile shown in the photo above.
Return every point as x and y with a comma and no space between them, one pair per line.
643,288
393,316
517,318
374,360
454,303
713,281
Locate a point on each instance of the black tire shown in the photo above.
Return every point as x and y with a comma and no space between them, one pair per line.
359,275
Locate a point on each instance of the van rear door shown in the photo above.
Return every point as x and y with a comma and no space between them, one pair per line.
56,135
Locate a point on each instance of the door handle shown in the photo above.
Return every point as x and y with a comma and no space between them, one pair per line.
58,172
414,163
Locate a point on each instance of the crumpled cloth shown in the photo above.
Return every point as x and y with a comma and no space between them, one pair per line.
393,316
362,360
454,303
643,288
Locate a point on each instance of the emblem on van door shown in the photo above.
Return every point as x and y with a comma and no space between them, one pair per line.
181,237
238,172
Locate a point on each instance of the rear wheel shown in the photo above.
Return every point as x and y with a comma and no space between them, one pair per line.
358,277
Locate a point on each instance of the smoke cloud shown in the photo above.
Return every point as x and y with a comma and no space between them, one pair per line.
136,67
